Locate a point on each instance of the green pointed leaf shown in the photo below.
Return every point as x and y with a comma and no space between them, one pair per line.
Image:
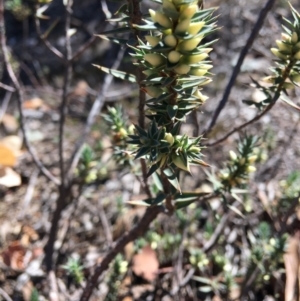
176,129
115,40
172,178
118,74
172,111
142,152
160,198
146,202
145,27
285,99
152,169
157,181
237,211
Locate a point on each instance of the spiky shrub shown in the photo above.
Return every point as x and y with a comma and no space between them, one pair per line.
175,62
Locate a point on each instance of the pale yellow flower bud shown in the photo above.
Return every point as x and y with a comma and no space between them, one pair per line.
194,149
297,55
285,37
169,137
282,46
294,38
182,69
182,26
170,40
154,59
193,59
195,27
174,56
198,72
168,6
276,52
251,168
160,18
252,159
189,45
242,161
188,12
232,155
153,41
153,91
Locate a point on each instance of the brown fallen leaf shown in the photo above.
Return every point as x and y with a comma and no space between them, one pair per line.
13,142
81,89
13,256
145,264
7,156
33,103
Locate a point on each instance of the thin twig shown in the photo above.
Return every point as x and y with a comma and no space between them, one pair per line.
4,105
236,70
136,18
66,85
53,294
96,108
29,192
7,88
82,48
45,40
218,231
249,282
276,96
5,295
239,128
105,224
138,230
64,188
20,98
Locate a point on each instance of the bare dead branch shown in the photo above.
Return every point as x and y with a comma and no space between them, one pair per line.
45,40
276,96
7,88
5,295
236,70
138,230
239,128
63,189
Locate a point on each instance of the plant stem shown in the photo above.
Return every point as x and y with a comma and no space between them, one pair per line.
138,230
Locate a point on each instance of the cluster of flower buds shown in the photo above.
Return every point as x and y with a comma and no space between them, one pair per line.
175,61
240,165
287,71
167,149
176,66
